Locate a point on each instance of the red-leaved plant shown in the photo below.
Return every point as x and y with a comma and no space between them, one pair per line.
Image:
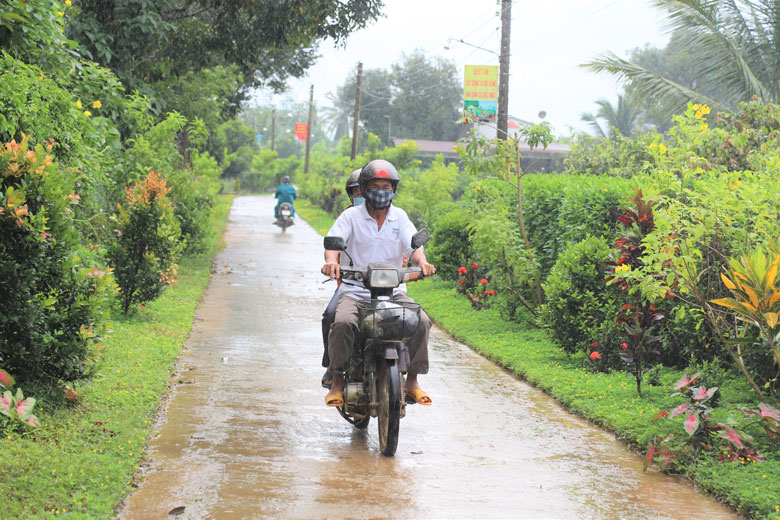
639,317
703,432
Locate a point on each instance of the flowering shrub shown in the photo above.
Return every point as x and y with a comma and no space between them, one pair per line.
474,286
147,242
703,432
15,410
52,306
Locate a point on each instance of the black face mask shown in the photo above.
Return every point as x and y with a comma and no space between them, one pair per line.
379,199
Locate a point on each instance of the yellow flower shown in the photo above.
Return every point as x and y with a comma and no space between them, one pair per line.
97,104
78,104
87,113
705,109
60,13
68,3
704,127
661,148
622,268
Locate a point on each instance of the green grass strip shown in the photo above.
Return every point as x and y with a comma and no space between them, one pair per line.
83,459
609,400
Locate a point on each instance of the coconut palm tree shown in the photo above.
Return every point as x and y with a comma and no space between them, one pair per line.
731,45
623,117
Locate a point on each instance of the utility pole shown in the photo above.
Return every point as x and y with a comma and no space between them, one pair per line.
357,112
273,128
503,69
308,130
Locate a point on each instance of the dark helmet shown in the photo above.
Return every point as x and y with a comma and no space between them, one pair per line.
352,182
286,179
379,169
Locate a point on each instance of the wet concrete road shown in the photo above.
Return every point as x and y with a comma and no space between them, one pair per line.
246,433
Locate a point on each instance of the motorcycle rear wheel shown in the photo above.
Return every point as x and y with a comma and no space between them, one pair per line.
389,413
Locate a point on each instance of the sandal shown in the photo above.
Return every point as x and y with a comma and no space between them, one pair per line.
327,379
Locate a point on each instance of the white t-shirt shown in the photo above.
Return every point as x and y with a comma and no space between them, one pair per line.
366,243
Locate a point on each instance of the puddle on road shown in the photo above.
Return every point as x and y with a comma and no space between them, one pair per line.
249,436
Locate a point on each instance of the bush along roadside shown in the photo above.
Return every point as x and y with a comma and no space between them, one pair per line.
83,458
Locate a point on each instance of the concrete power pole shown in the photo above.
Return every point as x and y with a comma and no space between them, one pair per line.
273,129
357,112
503,69
308,130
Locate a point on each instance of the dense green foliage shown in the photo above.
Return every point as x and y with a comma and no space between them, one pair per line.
164,49
54,290
579,310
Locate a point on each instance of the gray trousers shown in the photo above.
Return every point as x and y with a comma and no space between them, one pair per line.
345,328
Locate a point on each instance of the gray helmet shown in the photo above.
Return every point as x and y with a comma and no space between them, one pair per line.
379,169
286,179
352,182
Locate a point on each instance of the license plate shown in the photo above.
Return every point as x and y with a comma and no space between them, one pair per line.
286,213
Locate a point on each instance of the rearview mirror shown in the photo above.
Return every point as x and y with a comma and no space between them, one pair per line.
420,238
335,244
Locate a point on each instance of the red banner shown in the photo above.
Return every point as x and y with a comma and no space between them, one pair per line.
301,131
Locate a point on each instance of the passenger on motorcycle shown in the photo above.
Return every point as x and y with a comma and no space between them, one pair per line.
377,231
284,193
356,198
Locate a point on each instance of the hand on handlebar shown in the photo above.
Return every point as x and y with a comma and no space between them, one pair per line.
331,270
427,269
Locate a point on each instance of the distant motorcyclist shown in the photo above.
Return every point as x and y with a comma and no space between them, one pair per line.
284,193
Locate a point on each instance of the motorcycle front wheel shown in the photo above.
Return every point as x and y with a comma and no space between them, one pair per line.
389,413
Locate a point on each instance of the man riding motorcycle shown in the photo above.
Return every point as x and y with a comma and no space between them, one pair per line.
377,231
284,193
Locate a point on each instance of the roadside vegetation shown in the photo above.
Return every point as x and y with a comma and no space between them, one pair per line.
640,287
83,459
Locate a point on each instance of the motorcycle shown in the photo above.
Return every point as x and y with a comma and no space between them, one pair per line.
374,377
285,216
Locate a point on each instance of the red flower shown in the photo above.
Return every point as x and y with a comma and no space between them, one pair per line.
483,281
594,356
462,270
594,344
474,265
623,346
462,282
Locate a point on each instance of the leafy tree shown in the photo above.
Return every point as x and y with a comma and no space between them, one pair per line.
427,98
421,97
149,42
622,118
723,52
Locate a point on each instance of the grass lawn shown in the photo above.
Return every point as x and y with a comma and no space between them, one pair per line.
83,459
609,400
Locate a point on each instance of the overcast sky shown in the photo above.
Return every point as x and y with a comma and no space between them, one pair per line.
549,40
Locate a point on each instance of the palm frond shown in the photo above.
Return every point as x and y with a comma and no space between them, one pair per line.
714,44
589,118
671,96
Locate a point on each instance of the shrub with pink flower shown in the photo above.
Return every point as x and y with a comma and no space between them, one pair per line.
474,286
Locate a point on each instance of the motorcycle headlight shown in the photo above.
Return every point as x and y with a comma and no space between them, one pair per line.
384,278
